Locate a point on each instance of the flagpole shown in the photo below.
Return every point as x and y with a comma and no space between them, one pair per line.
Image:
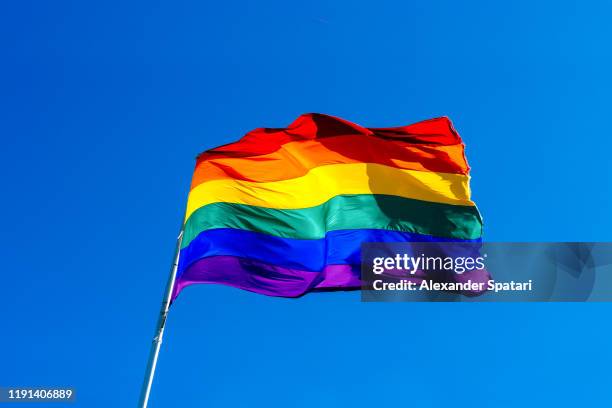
159,328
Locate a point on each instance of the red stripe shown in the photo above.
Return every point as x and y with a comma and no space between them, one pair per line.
310,126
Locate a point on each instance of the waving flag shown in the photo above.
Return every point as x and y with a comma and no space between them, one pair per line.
284,211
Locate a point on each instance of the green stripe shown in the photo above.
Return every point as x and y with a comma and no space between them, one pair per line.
362,211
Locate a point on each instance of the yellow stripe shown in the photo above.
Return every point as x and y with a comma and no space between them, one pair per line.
323,183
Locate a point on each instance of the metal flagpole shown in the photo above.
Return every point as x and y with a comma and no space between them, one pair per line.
159,328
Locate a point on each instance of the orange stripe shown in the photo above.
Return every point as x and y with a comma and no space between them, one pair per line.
296,159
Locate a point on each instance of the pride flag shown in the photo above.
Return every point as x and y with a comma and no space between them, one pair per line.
284,211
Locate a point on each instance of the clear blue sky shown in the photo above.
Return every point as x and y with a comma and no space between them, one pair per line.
103,107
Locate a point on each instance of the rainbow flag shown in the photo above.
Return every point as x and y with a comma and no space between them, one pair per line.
283,212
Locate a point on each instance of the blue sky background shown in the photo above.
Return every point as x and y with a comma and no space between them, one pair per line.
103,107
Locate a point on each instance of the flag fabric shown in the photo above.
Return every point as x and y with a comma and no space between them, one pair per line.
284,211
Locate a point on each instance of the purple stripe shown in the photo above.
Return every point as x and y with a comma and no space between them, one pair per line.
260,277
272,280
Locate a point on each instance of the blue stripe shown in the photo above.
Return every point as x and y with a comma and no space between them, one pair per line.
338,247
